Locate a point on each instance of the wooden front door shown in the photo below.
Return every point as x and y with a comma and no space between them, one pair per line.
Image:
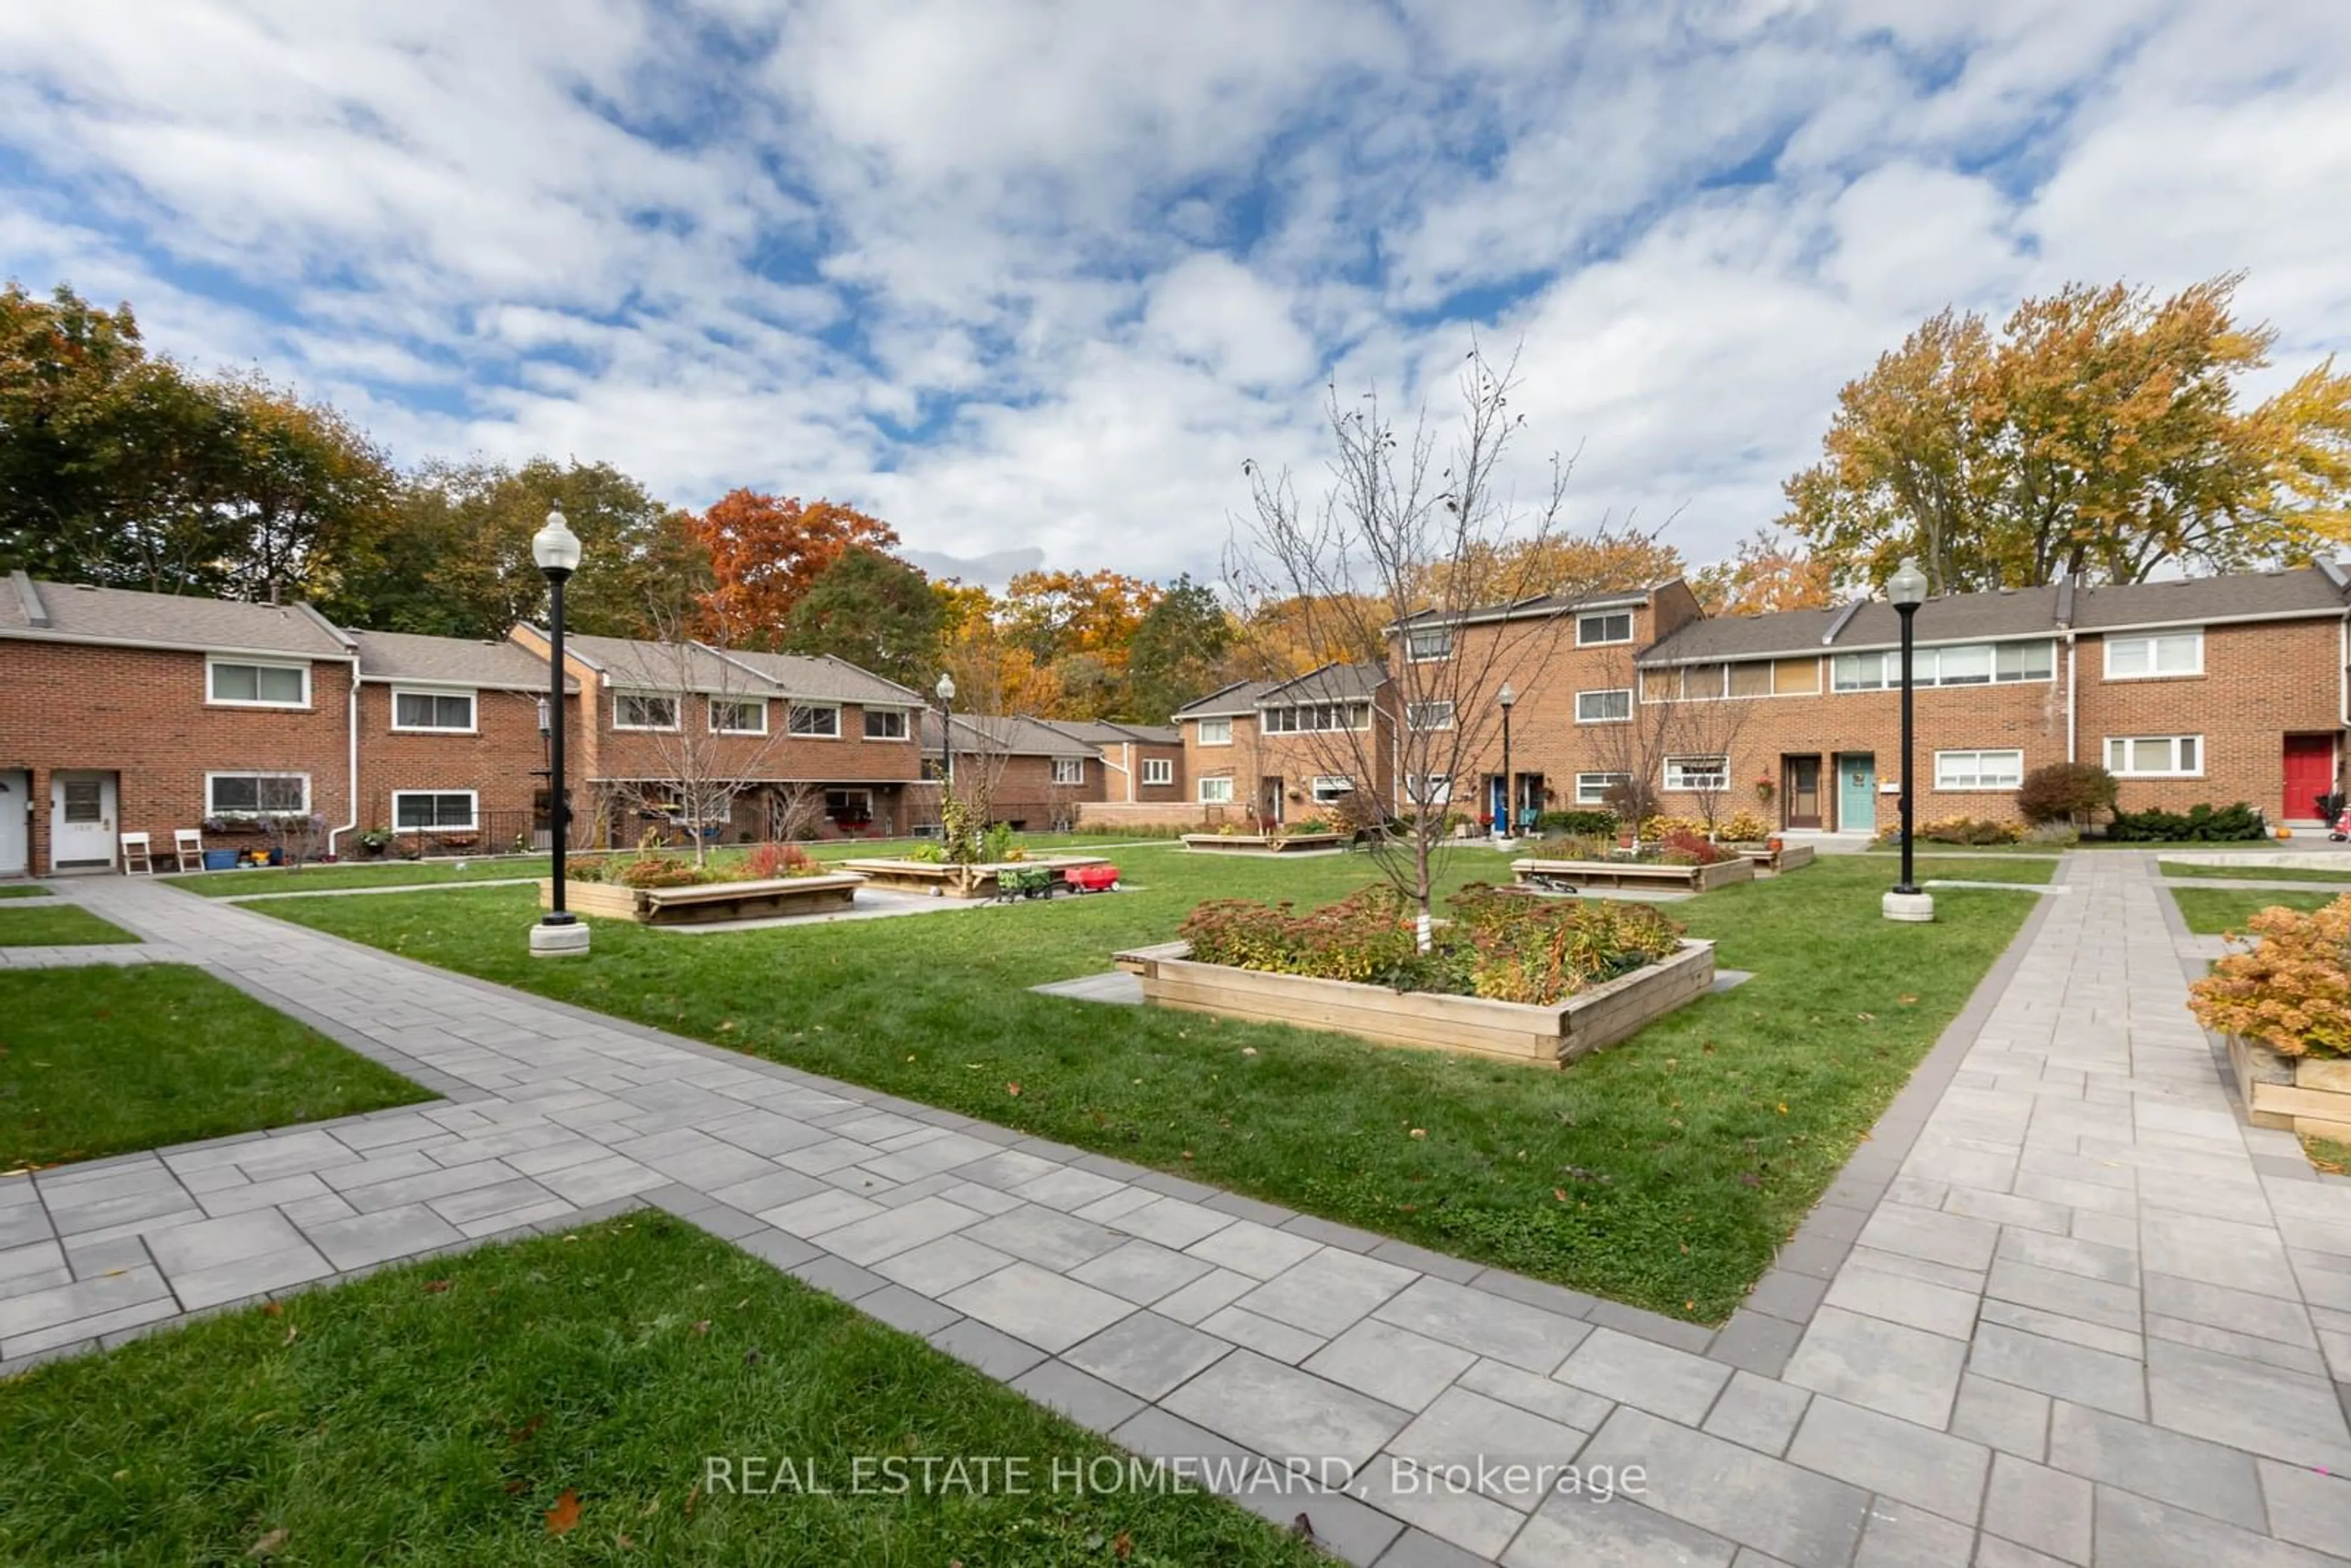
2309,773
1801,785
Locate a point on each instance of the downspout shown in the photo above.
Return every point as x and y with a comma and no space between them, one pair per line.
353,726
2072,749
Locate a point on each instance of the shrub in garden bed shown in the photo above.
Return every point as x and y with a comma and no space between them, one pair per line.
2198,824
1501,945
2292,990
1960,830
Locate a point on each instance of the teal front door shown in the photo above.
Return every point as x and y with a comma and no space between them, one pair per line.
1856,792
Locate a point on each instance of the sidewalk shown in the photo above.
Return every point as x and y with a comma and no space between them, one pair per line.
2086,1314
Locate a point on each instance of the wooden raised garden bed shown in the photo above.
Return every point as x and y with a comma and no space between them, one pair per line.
707,902
1787,857
942,879
1561,875
1264,843
1516,1031
2306,1094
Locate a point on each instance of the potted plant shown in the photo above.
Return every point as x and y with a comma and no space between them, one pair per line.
374,841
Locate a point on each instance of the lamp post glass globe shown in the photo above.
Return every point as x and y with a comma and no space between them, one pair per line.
555,546
945,688
1908,584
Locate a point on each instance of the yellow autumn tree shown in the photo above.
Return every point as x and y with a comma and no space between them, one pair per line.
2097,434
1765,574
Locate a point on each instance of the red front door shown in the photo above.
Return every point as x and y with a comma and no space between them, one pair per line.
2309,773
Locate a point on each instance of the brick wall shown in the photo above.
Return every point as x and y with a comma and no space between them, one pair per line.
1123,775
141,713
1296,760
497,760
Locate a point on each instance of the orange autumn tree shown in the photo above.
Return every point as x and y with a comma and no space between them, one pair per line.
1080,626
765,552
994,673
1766,573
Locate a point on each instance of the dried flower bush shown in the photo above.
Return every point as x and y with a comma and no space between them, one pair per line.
2292,990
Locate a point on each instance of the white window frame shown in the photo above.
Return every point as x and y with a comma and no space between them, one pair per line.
1328,789
1416,712
213,666
1069,770
473,711
2132,742
213,809
1430,789
1216,790
2152,642
710,715
1441,636
1678,774
792,712
1216,731
1603,617
1285,719
1159,770
1592,788
1625,717
904,728
472,823
620,698
1976,780
1771,668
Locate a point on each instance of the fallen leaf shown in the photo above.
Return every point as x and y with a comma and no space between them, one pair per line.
1247,1050
625,1541
564,1517
1420,1131
524,1433
1783,1107
1012,1089
1558,1192
691,1493
292,1331
273,1309
516,1485
1121,1546
436,1287
700,1329
267,1543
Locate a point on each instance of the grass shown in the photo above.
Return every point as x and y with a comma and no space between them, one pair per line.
2341,879
355,873
2332,1155
23,890
1664,1173
443,1414
103,1060
2215,911
57,925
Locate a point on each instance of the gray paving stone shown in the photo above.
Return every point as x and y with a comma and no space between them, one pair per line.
1653,1377
1204,1297
2047,1510
212,1242
1902,1536
600,1180
2306,1507
906,1310
1556,1401
1282,1412
428,1185
107,1213
2070,1295
1068,1188
501,1199
1506,1331
1328,1291
22,1349
1246,1247
1045,1237
937,1267
992,1351
1392,1365
1419,1549
1141,1271
1087,1400
385,1234
1267,1338
2074,1371
2247,1404
1886,1366
1440,1503
1171,1221
2242,1312
894,1230
1462,1428
814,1215
2003,1416
1005,1168
2073,1331
245,1277
2135,1531
38,1310
836,1277
1403,1255
1930,1234
1901,1299
1733,1492
1618,1534
1145,1355
2218,1251
1755,1342
1902,1460
773,1190
1759,1412
1034,1304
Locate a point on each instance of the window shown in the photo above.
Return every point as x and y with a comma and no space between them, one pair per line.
256,794
1435,789
1979,770
1217,732
2024,661
1158,770
85,799
737,715
1592,788
441,809
1332,787
1603,708
260,686
1865,671
1069,770
1969,666
1615,626
1216,791
1697,772
849,808
1430,716
641,710
2154,756
811,721
1960,664
1421,647
1702,682
886,723
1310,717
432,710
1752,679
2148,658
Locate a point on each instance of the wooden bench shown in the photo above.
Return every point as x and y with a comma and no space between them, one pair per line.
1265,843
1567,876
707,903
942,879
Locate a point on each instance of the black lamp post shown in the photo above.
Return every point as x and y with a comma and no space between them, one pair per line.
945,690
1906,590
1507,823
556,549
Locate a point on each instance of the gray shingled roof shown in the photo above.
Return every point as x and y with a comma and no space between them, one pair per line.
1330,684
2303,591
1539,606
76,613
627,662
456,661
1234,701
827,679
1008,734
1104,732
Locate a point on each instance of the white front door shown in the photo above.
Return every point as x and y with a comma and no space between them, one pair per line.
81,820
15,822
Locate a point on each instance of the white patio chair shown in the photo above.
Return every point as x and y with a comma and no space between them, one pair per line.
136,854
188,846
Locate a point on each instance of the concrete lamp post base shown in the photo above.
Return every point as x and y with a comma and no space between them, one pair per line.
1913,906
560,941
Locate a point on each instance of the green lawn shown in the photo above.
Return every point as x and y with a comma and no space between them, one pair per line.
102,1061
23,890
2211,911
57,925
355,874
2341,879
1664,1172
458,1411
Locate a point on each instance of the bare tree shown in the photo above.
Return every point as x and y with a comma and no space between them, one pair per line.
1415,532
1634,746
1705,724
795,810
725,725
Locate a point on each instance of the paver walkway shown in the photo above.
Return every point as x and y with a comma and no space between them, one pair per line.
2062,1307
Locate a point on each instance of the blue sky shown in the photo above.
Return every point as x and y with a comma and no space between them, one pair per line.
1032,277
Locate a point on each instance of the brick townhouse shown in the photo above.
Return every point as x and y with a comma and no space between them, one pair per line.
1277,751
1142,764
2213,689
1036,774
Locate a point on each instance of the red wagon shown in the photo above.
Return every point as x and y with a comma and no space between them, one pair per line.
1091,878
